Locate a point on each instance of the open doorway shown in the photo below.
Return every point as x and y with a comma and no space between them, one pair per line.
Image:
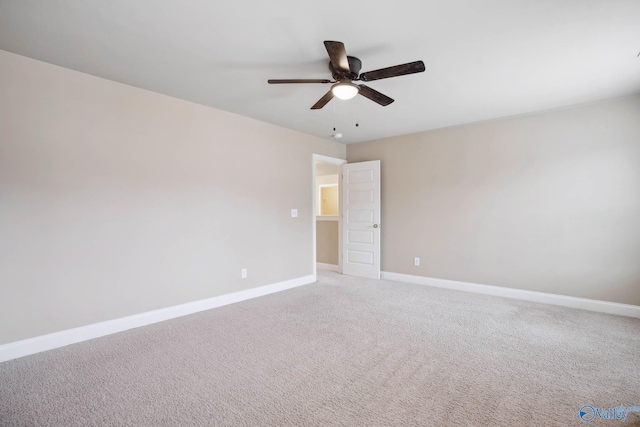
326,208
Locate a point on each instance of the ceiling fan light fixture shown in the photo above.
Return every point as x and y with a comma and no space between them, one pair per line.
344,90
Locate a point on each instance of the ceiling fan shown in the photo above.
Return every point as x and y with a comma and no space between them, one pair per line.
346,70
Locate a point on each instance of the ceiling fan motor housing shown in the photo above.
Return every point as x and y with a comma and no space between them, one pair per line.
354,66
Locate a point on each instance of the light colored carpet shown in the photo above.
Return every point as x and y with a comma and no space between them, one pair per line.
341,352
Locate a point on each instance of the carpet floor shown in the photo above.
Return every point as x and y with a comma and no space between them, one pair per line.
344,351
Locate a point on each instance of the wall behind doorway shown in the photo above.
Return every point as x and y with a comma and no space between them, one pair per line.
327,242
327,239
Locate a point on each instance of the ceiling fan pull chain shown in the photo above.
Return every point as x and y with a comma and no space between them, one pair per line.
357,104
334,114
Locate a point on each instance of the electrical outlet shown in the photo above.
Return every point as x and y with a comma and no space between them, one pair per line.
416,261
243,273
294,213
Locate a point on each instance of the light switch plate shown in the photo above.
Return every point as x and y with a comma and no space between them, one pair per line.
294,213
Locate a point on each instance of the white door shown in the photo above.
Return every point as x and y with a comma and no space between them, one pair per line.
361,219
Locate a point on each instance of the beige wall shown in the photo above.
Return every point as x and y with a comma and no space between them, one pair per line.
327,242
115,200
547,202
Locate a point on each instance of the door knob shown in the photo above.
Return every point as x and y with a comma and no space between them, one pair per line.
375,225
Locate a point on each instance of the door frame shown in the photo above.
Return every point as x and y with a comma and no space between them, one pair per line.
314,208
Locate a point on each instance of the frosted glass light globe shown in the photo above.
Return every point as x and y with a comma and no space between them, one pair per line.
344,90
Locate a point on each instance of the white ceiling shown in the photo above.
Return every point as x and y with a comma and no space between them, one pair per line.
484,59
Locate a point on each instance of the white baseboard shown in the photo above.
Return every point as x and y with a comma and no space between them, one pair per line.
71,336
541,297
323,266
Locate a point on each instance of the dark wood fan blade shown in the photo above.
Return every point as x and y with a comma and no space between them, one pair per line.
323,101
398,70
338,56
288,81
375,96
